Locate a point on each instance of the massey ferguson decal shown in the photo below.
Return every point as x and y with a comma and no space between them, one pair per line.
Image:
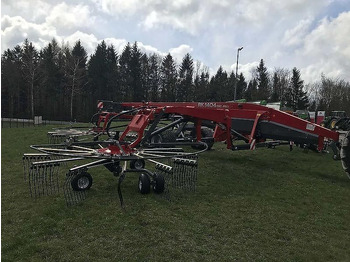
211,105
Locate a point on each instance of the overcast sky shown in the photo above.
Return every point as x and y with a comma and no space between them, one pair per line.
312,35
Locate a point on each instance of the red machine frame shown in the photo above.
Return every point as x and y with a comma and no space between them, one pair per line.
255,124
226,114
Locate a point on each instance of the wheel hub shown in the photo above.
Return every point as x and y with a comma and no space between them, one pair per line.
140,185
83,182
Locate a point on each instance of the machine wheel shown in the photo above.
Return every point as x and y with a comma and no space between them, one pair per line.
137,164
343,124
82,182
167,136
345,154
159,184
94,119
333,123
156,139
144,184
205,132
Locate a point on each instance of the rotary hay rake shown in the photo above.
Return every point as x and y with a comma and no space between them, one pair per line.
154,134
173,167
99,121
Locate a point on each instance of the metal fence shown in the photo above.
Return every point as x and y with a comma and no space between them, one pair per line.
19,122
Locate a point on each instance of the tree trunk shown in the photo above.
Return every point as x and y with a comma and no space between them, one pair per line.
32,98
71,104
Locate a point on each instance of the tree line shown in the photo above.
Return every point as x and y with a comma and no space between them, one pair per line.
61,82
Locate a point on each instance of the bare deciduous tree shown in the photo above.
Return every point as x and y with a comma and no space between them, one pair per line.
75,72
30,69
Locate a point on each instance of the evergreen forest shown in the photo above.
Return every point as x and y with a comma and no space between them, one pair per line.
60,82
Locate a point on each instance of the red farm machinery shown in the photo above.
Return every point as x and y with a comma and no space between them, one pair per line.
168,136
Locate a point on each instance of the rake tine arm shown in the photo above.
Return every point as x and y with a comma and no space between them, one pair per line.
93,164
120,180
57,161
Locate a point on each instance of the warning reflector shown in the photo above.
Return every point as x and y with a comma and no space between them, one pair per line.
100,105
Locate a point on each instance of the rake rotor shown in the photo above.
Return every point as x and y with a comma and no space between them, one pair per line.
173,168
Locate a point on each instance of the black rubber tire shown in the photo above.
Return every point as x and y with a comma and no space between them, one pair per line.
156,139
343,124
159,184
137,164
332,123
167,136
345,154
144,184
81,182
94,119
205,132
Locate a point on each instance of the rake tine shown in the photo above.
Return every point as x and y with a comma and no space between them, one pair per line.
57,188
43,179
35,179
166,171
185,173
71,196
27,159
66,188
30,179
25,167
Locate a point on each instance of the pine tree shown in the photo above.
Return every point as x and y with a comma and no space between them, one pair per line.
263,81
154,77
125,74
251,92
296,97
275,88
219,88
280,85
241,86
145,79
12,97
231,87
112,74
203,88
168,78
102,72
138,93
184,90
97,72
51,94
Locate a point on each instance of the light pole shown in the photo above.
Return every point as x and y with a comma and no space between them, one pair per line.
236,80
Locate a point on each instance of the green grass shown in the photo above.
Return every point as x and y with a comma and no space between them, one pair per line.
263,205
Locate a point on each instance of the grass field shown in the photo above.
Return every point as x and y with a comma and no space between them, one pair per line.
263,205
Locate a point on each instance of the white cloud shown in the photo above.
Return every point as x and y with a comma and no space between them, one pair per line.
194,16
120,7
149,49
15,29
283,33
295,35
151,20
327,48
88,41
69,16
118,44
246,69
33,10
179,52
